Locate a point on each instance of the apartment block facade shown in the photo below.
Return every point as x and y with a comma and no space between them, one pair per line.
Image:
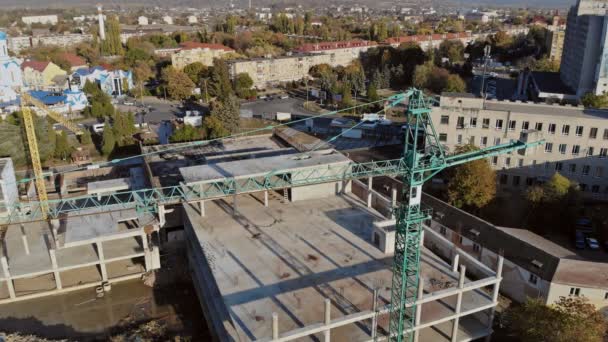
576,139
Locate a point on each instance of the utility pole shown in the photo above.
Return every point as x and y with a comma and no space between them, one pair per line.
486,54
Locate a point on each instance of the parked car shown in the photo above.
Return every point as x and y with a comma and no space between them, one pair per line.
593,244
129,103
579,240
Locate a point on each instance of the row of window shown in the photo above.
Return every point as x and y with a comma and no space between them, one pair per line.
576,150
517,181
579,131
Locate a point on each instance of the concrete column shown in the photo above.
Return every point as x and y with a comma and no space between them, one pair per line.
458,303
369,192
26,246
327,333
161,215
7,274
55,269
266,198
393,201
455,262
201,206
147,256
102,262
275,326
495,290
418,309
375,318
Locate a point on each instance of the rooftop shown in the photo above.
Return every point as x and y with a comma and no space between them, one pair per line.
324,46
36,65
550,82
197,45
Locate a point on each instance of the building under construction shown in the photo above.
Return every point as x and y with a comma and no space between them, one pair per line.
286,239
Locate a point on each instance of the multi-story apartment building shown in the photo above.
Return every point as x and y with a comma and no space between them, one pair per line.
576,139
342,53
584,66
40,19
190,52
555,39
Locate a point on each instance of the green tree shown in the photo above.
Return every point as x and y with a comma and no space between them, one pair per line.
186,133
473,184
179,85
569,319
85,138
372,93
590,100
214,128
455,84
62,146
227,112
219,83
195,71
108,140
112,45
453,50
243,84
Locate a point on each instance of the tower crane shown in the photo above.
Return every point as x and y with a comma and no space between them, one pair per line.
30,132
423,157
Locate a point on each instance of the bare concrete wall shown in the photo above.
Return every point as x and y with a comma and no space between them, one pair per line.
302,193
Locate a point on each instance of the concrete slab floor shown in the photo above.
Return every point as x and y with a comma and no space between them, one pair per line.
288,258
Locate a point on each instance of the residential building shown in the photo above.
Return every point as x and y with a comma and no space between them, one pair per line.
10,70
112,82
40,19
168,20
555,39
190,52
342,53
576,139
17,44
192,19
38,75
428,41
584,65
143,21
61,101
534,267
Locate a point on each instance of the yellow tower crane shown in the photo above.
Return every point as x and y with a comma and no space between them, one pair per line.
30,132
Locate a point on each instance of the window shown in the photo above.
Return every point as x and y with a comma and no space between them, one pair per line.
473,122
504,179
533,279
562,148
512,124
558,166
595,189
498,124
605,133
443,230
593,133
603,152
565,129
485,123
572,168
583,187
606,295
529,181
551,128
516,180
459,140
576,149
586,169
579,131
508,161
520,162
548,147
476,247
575,291
599,172
494,160
460,122
443,137
484,141
460,239
472,140
590,151
539,126
496,141
525,125
445,120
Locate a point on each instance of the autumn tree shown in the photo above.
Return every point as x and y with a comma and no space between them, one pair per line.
214,128
452,50
472,184
455,84
195,71
569,319
590,100
179,85
227,112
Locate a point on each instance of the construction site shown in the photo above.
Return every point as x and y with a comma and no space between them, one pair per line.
286,238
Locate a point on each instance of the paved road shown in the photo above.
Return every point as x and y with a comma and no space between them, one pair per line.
290,105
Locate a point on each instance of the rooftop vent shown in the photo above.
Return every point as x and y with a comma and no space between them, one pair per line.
537,263
474,232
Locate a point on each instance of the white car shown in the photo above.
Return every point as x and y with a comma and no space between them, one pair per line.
129,103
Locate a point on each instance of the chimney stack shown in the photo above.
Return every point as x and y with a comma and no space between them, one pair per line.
102,27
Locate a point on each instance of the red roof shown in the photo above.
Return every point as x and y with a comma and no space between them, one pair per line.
36,65
197,45
423,38
73,59
324,46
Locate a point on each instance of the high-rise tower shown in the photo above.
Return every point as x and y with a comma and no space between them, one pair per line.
102,26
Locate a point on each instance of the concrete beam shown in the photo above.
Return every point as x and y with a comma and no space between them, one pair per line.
161,215
266,198
463,270
275,326
455,262
102,262
327,333
55,266
393,201
147,256
418,309
201,207
26,246
369,192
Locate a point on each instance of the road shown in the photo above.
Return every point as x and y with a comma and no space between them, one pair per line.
295,106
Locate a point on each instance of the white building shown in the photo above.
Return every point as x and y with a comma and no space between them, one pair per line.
142,21
192,19
584,66
576,139
11,77
40,19
168,20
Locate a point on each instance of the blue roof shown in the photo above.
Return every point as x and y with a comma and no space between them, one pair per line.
2,35
47,97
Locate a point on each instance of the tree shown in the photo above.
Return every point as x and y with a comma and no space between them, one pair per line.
590,100
472,184
186,133
109,141
372,93
455,84
452,50
227,112
243,84
219,84
179,85
85,138
214,128
112,45
195,71
62,146
570,319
